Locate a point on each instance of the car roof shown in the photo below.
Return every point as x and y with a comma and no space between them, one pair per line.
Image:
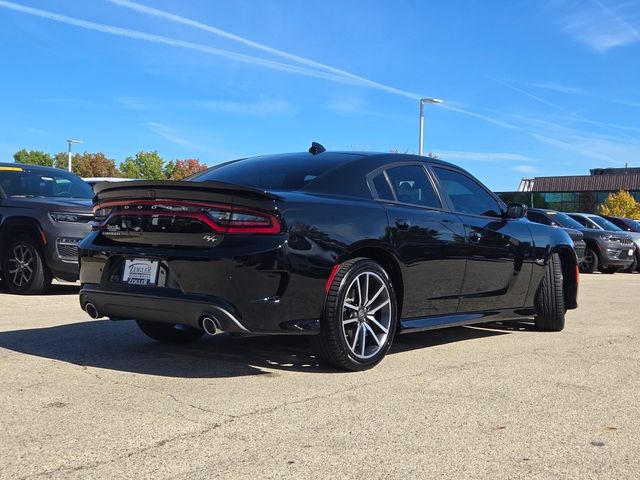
26,166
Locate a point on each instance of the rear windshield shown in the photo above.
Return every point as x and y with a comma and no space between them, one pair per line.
17,182
282,172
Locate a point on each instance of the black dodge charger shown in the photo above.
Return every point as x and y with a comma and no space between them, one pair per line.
352,248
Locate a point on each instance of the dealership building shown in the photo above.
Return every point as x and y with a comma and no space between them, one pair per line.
575,193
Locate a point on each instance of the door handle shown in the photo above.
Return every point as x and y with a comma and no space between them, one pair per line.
403,223
475,237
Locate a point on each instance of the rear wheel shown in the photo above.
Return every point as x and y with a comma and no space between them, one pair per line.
550,307
23,267
590,262
359,320
170,332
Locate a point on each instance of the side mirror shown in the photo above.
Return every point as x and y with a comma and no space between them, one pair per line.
516,210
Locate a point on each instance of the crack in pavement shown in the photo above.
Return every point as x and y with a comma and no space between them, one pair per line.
261,411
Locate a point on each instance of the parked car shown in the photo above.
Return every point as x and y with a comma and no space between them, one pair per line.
612,249
561,220
350,248
631,228
44,213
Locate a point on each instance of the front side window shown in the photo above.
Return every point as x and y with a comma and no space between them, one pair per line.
538,218
467,196
411,185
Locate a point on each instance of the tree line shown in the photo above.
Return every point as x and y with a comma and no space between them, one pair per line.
147,165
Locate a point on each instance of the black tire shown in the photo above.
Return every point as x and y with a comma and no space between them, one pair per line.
170,332
549,301
590,262
608,270
633,267
332,342
23,267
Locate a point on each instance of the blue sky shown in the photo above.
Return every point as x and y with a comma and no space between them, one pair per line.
530,87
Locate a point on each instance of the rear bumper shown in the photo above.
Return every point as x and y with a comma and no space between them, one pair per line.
166,308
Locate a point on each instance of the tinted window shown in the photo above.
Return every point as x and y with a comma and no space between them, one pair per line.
382,187
282,172
467,196
564,220
604,223
411,185
538,218
43,183
583,221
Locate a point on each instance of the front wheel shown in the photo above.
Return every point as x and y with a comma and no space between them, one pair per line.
549,301
590,261
23,267
360,316
170,332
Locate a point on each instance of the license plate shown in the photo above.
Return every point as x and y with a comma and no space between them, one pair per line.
631,252
140,271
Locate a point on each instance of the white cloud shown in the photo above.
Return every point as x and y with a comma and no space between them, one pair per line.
599,26
484,156
559,87
257,108
526,169
169,133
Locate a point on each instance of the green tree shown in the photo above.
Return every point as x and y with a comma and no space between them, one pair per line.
179,169
621,204
33,157
145,165
88,164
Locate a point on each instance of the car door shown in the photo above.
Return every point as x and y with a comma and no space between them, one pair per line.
498,249
428,240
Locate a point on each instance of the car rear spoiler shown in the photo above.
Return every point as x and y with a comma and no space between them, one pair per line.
152,189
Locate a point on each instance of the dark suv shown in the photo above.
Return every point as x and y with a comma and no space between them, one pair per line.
44,213
612,224
610,250
561,220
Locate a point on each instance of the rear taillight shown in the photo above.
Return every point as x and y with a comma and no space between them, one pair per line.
246,221
220,218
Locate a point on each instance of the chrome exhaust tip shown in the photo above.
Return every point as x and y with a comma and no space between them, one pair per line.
91,309
211,325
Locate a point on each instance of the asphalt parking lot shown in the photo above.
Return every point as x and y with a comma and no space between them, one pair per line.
96,399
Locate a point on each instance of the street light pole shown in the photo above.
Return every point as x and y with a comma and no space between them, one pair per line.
70,142
421,134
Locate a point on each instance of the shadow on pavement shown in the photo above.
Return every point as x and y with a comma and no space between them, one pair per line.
56,289
120,346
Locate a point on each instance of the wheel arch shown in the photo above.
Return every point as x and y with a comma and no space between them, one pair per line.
19,226
390,264
570,274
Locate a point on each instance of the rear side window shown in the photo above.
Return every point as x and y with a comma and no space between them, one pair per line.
382,187
411,185
467,195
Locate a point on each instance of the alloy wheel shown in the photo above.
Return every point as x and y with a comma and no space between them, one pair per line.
21,265
587,261
366,315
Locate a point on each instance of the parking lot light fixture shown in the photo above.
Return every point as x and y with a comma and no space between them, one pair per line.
71,142
433,101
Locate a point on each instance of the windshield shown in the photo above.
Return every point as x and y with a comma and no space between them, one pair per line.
282,172
565,220
605,224
24,183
